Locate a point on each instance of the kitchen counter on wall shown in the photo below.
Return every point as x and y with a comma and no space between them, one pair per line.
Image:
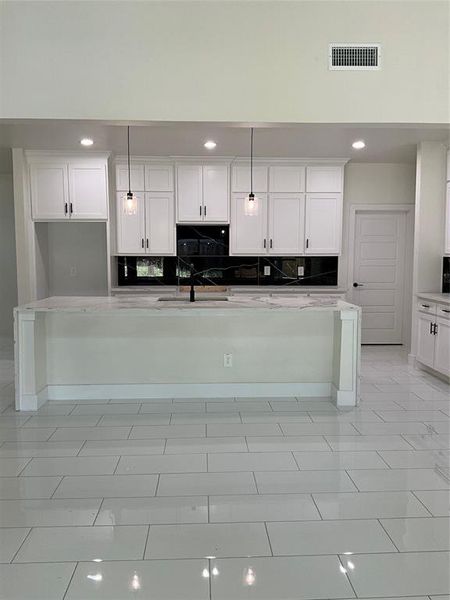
435,297
251,290
138,347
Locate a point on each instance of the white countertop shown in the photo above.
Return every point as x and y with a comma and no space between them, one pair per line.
435,297
137,304
231,290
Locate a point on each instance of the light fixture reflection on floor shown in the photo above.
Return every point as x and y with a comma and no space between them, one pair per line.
97,577
135,582
249,577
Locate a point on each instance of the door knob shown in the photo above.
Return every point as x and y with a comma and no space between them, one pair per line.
356,284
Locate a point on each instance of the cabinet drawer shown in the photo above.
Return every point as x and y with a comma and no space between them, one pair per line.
426,306
443,310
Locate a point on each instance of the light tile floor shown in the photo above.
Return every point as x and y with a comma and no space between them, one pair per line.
224,499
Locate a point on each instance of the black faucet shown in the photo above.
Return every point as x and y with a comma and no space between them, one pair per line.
192,291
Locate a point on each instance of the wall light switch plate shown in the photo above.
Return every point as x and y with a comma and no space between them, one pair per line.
300,271
227,360
267,270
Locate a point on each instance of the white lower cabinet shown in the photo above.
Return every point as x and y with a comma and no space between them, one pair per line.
286,219
248,231
433,342
425,339
323,223
151,230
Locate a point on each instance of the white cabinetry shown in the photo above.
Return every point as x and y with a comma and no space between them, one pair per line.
202,193
136,177
447,220
286,218
151,230
433,336
323,223
248,232
241,178
324,178
285,178
68,188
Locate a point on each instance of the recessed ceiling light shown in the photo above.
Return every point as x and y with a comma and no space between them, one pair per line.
359,144
210,144
86,142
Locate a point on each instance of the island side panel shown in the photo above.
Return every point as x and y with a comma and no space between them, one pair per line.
129,356
30,359
346,358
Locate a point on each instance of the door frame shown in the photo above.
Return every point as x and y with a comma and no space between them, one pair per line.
409,210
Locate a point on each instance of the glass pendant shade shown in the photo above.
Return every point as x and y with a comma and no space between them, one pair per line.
129,204
251,207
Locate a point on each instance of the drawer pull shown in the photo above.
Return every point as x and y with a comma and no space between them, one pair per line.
426,305
445,310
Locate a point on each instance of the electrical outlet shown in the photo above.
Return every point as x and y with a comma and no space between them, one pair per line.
267,270
227,360
300,271
73,271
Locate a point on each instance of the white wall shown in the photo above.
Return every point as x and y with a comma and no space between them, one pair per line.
8,283
222,60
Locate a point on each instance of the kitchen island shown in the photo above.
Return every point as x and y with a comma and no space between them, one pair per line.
140,347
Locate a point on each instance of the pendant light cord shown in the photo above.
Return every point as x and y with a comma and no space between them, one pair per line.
251,161
129,172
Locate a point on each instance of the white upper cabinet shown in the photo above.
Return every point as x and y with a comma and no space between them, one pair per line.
447,221
286,219
241,178
160,223
49,191
159,178
136,177
323,224
88,191
324,178
248,233
215,193
286,179
202,193
131,228
189,193
71,188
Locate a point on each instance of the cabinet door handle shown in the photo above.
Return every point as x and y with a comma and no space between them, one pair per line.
204,210
71,208
65,208
307,242
270,242
431,327
147,242
435,329
265,243
142,242
200,210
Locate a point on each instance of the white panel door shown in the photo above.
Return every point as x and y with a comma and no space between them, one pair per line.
131,228
442,347
241,178
286,179
88,191
378,274
136,177
160,223
189,193
215,193
49,191
324,179
447,222
286,224
425,339
323,224
248,233
159,178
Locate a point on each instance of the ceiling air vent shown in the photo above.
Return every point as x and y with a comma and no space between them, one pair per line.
354,57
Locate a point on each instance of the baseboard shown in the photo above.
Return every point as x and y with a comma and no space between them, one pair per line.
33,401
431,371
343,398
411,360
184,390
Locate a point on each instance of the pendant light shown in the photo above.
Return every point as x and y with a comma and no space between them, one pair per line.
130,200
251,202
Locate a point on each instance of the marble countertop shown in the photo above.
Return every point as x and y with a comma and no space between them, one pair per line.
151,305
231,290
435,297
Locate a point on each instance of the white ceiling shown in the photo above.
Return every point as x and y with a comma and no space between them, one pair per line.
388,143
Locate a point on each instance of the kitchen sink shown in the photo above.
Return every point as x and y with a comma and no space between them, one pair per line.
197,299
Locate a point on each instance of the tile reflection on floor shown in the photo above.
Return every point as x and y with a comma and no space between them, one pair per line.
230,499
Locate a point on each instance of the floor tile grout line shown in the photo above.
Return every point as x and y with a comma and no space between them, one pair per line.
385,462
20,547
317,507
25,466
100,506
387,533
413,492
350,477
268,538
146,542
347,576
